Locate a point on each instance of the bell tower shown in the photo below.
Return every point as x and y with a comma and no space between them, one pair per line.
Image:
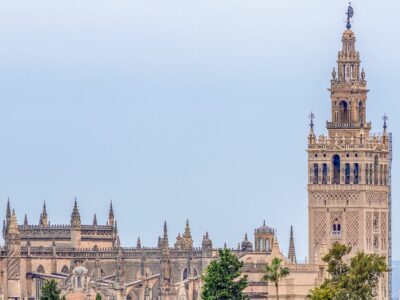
349,169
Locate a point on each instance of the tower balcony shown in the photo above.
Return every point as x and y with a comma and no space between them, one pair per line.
353,125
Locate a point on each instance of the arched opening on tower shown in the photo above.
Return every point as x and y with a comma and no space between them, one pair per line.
376,169
356,173
315,180
347,174
360,112
336,169
324,173
344,112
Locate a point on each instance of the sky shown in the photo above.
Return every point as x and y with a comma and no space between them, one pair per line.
180,109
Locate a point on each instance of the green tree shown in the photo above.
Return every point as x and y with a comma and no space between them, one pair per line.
274,272
98,296
50,291
223,280
357,281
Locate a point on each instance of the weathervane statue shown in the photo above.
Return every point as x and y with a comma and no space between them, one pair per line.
350,13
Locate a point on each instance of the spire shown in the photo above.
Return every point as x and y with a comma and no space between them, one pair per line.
94,220
187,230
8,212
44,213
186,241
13,227
26,221
165,235
292,251
75,216
111,217
43,216
138,243
165,243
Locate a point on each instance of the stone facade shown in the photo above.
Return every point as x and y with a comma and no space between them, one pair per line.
349,169
348,189
89,259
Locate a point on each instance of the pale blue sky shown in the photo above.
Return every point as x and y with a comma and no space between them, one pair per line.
179,109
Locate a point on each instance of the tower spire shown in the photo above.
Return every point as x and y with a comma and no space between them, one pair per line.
292,250
94,220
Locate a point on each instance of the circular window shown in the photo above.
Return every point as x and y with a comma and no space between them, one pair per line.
324,155
347,155
356,155
315,155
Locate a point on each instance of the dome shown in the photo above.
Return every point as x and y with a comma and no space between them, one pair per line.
264,229
348,34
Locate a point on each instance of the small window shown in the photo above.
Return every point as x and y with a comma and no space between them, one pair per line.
336,228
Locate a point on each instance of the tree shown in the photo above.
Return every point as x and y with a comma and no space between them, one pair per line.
223,280
274,272
357,281
50,291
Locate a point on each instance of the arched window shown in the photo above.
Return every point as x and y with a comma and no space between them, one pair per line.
336,169
344,112
336,228
324,173
315,180
65,270
185,274
347,174
360,112
40,269
376,170
356,173
267,245
262,245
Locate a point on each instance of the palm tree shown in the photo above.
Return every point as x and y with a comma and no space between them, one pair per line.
275,272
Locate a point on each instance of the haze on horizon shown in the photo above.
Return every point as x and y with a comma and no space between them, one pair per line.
176,109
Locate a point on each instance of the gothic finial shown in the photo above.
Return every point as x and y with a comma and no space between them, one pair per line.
350,14
292,250
111,215
8,213
165,230
94,220
385,118
75,216
245,237
44,209
138,243
187,230
334,74
26,221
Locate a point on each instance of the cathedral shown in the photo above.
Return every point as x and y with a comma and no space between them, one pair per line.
349,201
